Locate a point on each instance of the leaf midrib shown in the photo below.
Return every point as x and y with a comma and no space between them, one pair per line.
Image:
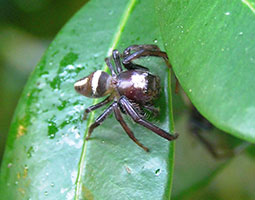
113,45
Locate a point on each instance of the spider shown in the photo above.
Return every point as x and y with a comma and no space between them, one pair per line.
130,91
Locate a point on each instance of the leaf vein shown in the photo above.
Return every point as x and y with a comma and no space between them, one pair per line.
250,5
116,38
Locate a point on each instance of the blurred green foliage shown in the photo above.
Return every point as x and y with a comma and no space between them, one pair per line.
26,29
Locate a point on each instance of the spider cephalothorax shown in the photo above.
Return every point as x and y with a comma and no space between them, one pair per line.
130,91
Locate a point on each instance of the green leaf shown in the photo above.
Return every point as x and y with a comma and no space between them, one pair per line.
211,47
46,155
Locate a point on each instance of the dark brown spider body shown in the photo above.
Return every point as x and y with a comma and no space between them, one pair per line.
131,91
138,86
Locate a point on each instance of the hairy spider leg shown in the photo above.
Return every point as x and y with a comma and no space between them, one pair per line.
130,110
116,58
100,120
125,127
153,109
96,106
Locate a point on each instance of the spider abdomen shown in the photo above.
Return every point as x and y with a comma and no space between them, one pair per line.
97,84
139,86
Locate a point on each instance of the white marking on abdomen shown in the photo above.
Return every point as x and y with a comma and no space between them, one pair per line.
95,81
139,80
81,82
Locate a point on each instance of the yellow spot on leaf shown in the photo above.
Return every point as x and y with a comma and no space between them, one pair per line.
21,131
25,172
18,175
22,191
86,193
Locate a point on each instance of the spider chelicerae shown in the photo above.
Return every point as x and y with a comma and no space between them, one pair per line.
130,91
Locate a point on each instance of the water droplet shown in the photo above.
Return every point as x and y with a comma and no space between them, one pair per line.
190,90
227,13
157,172
70,67
73,176
30,151
9,165
96,55
155,41
52,136
46,193
129,171
79,66
52,184
241,33
16,182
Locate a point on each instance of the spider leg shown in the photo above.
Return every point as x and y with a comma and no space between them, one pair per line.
140,47
96,106
213,150
109,64
145,52
100,119
116,58
176,85
128,50
154,110
198,124
127,106
125,127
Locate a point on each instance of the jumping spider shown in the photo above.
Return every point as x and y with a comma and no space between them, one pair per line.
131,90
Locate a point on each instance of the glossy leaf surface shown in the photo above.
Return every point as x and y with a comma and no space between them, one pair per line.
211,47
46,156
